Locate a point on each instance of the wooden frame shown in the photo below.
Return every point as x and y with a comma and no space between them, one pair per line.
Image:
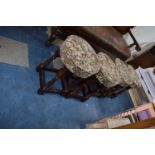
68,89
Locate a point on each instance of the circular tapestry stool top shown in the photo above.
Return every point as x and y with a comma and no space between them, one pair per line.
123,72
108,74
134,77
79,57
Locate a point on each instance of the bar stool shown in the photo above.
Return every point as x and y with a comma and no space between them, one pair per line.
108,80
63,74
84,73
127,73
80,59
44,67
80,64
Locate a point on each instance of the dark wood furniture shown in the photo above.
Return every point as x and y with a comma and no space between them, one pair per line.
71,85
145,60
149,123
123,29
127,29
100,37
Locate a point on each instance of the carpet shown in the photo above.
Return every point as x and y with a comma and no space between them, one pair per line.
20,105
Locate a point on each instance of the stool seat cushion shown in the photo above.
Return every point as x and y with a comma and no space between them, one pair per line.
79,57
123,72
134,77
108,75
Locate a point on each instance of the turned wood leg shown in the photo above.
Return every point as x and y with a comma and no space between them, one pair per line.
84,90
53,36
48,61
59,75
42,81
64,84
77,89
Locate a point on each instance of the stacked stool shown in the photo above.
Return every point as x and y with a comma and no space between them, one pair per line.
85,73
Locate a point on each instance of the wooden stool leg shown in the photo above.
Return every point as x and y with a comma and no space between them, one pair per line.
77,89
84,90
48,61
42,81
60,74
53,36
64,84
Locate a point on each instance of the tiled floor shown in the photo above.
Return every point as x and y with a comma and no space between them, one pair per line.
22,107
